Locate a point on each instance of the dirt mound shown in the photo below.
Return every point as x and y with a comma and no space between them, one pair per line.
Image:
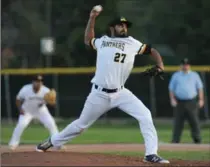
81,159
88,155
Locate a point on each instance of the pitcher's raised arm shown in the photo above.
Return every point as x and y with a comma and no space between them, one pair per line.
89,31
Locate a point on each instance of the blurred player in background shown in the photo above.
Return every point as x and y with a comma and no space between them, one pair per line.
31,104
184,88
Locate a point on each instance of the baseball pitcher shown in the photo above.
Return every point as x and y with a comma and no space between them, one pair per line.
31,103
115,59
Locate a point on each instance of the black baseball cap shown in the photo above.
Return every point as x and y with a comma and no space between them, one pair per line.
37,78
185,61
119,20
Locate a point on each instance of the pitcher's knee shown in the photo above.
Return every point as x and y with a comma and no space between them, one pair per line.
80,127
84,123
146,121
147,118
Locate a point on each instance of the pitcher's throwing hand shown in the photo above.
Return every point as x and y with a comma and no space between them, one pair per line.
96,11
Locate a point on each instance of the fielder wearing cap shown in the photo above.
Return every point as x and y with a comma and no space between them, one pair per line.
31,105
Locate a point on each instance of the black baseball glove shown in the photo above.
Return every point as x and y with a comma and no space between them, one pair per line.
154,71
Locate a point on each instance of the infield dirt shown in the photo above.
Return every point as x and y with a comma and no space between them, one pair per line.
88,155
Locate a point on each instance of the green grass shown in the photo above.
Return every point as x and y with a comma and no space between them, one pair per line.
101,134
182,155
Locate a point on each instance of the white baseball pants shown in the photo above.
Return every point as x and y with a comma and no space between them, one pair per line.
42,115
98,103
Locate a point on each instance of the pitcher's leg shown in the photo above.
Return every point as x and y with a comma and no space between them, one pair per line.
23,122
130,104
48,121
94,107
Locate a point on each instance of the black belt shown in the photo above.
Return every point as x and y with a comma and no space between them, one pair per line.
107,90
186,100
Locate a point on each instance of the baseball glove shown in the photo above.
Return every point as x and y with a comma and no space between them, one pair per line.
154,71
50,97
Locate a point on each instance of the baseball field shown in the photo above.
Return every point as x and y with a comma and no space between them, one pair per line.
105,144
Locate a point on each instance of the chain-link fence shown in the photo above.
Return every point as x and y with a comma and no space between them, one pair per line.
73,88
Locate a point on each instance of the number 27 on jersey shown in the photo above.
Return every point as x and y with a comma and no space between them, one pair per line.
120,58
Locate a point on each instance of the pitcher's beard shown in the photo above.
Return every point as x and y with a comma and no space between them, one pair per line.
121,34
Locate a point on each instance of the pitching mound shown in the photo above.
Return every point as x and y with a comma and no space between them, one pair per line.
87,155
81,159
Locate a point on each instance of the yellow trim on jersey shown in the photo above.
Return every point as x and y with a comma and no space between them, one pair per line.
142,49
92,43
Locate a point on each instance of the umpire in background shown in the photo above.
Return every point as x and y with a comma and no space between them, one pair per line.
186,96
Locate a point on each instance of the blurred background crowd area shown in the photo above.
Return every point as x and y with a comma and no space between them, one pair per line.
177,28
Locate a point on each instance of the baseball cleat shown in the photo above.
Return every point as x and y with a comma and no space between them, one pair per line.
153,158
44,146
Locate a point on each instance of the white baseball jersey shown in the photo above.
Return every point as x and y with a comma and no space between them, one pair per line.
32,100
115,60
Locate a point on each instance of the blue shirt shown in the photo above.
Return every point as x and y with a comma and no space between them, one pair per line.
185,86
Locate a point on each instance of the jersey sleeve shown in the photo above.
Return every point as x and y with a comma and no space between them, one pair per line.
21,94
95,43
142,48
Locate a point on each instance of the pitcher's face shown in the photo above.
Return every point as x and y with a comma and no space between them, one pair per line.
120,30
